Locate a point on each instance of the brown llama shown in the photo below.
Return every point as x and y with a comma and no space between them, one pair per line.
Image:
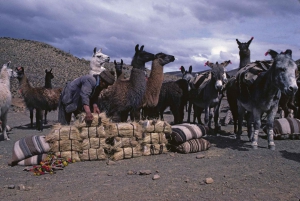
126,95
154,83
39,98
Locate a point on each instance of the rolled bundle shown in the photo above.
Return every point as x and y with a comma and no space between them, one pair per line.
73,155
156,126
65,145
33,160
194,145
94,143
154,149
119,142
128,130
99,119
154,138
125,153
184,132
93,154
63,132
91,132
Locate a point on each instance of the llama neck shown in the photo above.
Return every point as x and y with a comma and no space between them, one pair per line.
24,85
48,83
154,84
4,77
244,60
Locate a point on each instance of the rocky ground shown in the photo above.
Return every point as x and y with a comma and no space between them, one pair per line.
237,171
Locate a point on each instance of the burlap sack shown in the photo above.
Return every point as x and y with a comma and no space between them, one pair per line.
154,149
94,143
92,154
63,132
65,145
73,155
154,138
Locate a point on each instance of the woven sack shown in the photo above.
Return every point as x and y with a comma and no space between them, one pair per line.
194,145
33,160
27,147
184,132
286,128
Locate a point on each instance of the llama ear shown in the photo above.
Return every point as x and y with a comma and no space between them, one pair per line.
142,48
50,70
190,69
238,42
95,50
137,47
272,53
46,71
288,52
182,69
115,62
121,61
250,41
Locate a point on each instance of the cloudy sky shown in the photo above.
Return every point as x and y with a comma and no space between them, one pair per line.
192,31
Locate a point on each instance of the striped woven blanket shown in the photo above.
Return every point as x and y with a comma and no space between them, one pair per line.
184,132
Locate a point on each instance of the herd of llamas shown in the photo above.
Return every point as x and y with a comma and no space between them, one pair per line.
140,97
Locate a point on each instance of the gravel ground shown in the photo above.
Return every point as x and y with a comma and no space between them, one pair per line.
238,172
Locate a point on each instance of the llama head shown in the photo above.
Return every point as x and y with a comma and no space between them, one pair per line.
20,72
118,67
97,62
284,71
8,71
244,47
218,74
163,58
49,74
141,57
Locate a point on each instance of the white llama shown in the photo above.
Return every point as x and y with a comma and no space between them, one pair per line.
97,62
5,95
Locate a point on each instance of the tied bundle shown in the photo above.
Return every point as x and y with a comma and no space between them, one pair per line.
92,132
126,153
156,126
99,119
62,132
119,142
72,155
93,154
65,145
154,149
154,138
125,130
94,143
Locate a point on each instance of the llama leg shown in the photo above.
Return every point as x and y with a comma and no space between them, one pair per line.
241,113
45,117
39,119
31,117
249,125
4,122
206,117
270,132
189,113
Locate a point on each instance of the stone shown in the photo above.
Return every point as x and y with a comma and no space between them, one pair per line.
155,177
200,156
209,180
110,162
21,187
11,187
145,172
131,172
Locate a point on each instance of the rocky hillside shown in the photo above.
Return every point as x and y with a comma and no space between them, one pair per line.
36,57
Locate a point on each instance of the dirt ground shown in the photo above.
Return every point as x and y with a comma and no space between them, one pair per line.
238,172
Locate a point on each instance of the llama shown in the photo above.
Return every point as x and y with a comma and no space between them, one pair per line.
207,95
231,89
97,62
126,95
173,94
5,96
39,98
119,68
48,85
262,96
